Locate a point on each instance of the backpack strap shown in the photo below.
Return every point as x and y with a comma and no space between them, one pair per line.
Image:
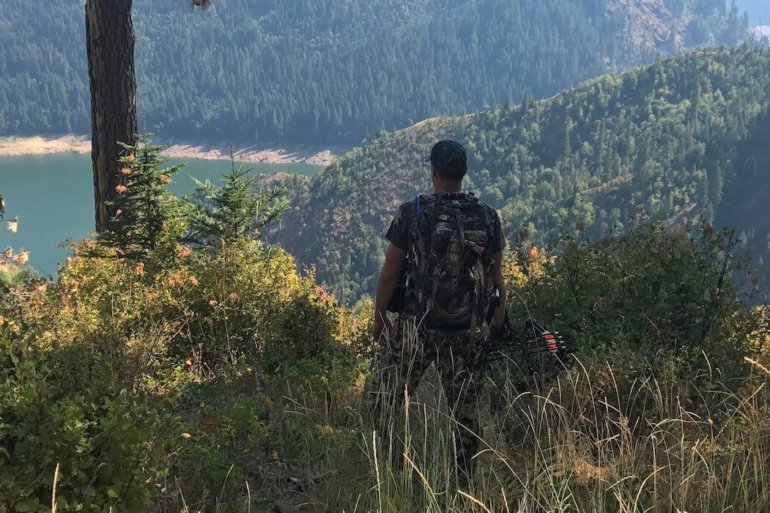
460,227
477,291
434,291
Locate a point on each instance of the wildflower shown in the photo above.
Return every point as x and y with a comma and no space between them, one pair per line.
188,362
234,297
22,258
129,158
185,436
126,171
194,281
120,189
165,179
213,302
12,225
140,269
186,251
117,214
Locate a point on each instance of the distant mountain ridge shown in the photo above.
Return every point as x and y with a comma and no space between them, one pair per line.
679,141
334,71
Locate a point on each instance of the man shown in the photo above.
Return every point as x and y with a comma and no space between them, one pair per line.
448,247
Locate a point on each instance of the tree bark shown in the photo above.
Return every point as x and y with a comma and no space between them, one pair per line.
110,42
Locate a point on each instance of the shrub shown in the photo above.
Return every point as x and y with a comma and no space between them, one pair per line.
64,407
654,290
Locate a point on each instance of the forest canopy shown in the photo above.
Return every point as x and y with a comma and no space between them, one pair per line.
684,140
330,71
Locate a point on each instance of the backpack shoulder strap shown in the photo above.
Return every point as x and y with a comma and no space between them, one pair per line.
460,227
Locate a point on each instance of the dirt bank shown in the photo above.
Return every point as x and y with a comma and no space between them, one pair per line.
266,154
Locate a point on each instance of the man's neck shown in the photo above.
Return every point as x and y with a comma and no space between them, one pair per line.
447,188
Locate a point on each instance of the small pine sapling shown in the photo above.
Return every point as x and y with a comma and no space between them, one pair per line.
235,210
143,206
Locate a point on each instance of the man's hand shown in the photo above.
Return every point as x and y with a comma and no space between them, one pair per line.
498,317
379,327
389,276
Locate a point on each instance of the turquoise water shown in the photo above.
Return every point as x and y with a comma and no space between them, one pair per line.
53,198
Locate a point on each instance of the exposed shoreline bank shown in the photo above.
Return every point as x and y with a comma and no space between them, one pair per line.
265,154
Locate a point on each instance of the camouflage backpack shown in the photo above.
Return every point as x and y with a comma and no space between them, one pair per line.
450,258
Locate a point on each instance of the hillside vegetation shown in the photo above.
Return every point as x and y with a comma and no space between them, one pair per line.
330,71
216,377
680,141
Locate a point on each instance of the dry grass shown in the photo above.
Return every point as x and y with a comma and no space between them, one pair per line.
590,442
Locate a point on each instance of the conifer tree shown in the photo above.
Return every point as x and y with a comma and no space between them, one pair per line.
142,206
110,42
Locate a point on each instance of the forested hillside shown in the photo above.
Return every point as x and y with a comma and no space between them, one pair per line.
680,140
327,71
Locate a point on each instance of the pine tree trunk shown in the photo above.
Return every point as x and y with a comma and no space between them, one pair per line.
110,41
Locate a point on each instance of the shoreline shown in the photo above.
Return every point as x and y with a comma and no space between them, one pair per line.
251,154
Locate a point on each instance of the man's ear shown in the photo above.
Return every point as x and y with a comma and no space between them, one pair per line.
433,171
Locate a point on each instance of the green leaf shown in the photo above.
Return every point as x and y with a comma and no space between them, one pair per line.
27,504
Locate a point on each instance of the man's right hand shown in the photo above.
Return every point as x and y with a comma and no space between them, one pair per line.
379,328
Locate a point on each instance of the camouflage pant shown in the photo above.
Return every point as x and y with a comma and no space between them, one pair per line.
459,360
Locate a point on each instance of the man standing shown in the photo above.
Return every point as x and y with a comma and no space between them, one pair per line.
448,247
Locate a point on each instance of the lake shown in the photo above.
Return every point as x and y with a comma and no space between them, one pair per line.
53,197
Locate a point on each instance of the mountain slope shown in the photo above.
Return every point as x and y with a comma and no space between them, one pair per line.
678,141
334,70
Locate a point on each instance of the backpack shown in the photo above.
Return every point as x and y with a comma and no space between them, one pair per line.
448,281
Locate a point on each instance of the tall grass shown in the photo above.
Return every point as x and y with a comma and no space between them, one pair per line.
591,441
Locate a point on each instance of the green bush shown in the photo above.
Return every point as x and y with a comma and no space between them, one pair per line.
654,290
132,373
64,407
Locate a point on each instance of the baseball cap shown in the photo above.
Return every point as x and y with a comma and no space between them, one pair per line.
449,155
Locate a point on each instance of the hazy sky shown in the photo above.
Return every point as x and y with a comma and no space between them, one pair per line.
759,10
